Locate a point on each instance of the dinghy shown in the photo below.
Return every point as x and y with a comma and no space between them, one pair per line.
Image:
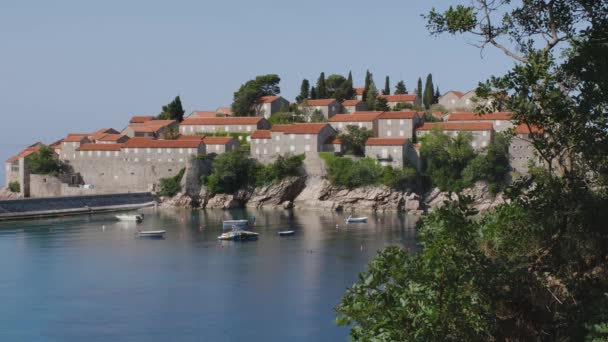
238,235
133,218
286,233
151,233
351,219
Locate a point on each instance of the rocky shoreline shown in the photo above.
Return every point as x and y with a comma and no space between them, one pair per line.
317,193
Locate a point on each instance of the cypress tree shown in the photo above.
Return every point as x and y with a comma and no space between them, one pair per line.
313,93
368,81
419,92
173,111
429,92
387,87
437,95
321,89
400,88
304,91
372,95
350,77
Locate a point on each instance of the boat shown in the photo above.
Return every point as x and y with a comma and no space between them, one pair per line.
133,218
228,224
238,235
286,232
151,233
351,219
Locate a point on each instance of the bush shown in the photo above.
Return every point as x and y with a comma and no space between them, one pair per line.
232,171
354,139
284,166
492,166
14,186
43,162
171,186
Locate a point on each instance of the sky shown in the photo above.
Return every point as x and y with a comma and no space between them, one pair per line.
77,66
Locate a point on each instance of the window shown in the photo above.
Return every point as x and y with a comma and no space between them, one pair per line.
484,144
227,128
126,150
191,151
136,150
484,133
116,154
168,150
292,136
81,153
474,143
292,148
384,153
389,133
307,148
265,151
191,129
401,133
278,138
257,151
159,150
307,136
401,122
248,128
340,125
217,147
181,151
389,122
107,153
497,122
90,153
277,149
265,141
395,150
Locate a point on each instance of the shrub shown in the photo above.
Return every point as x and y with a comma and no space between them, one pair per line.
43,162
284,166
231,171
491,166
14,186
172,185
354,139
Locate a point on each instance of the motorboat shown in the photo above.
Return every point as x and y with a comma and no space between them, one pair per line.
133,218
228,224
351,219
286,232
238,235
151,233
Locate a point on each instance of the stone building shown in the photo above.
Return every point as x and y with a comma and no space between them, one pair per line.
239,124
140,119
359,93
14,167
198,114
394,152
456,100
351,106
224,111
398,124
481,131
268,105
393,100
151,129
501,121
112,139
333,144
327,107
521,151
307,138
367,120
219,145
71,142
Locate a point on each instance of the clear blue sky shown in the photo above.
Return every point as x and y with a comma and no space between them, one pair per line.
76,66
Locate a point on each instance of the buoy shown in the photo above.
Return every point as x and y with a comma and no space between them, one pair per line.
103,227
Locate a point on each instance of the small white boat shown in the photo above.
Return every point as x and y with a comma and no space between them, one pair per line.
151,233
238,235
133,218
351,219
286,232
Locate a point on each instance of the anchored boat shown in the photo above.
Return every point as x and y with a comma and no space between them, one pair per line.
286,233
351,219
159,234
238,235
228,224
133,218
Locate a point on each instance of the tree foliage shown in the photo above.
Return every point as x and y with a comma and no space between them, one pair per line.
418,92
400,88
387,86
43,162
354,139
246,99
321,87
428,97
14,186
172,111
171,186
304,91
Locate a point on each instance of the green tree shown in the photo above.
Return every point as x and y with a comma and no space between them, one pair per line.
429,95
232,171
367,84
491,166
437,95
43,162
245,101
371,95
387,86
339,88
304,91
381,104
169,187
172,111
418,92
400,88
354,139
321,87
313,93
14,186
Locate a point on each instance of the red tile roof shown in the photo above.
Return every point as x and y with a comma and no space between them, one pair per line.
99,147
268,99
359,91
224,110
333,140
56,144
470,116
279,128
238,120
386,141
141,119
455,92
153,143
25,152
75,137
351,102
197,137
398,115
201,114
399,98
301,128
438,115
457,126
355,117
261,134
152,125
217,140
524,129
319,102
112,137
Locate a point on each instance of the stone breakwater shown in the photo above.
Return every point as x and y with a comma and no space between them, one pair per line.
318,193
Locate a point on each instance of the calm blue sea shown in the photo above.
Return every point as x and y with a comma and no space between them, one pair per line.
88,278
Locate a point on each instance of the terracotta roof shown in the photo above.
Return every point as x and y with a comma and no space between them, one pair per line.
268,99
25,152
457,126
319,102
524,129
301,128
217,140
75,137
438,115
279,128
196,137
141,119
470,116
355,117
399,98
351,102
56,144
152,125
261,134
385,141
333,140
112,137
154,143
455,92
359,91
99,147
398,115
238,120
201,114
224,110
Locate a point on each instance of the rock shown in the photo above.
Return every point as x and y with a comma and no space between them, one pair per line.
181,200
6,194
483,200
275,195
